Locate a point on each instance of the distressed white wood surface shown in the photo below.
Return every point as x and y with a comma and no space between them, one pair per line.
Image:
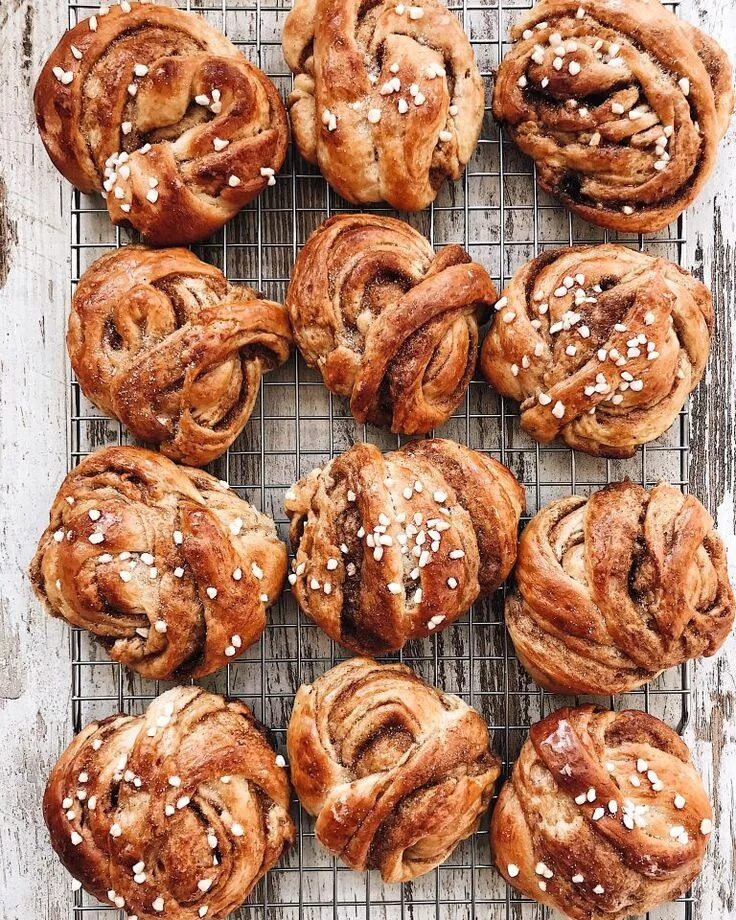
711,253
34,650
34,286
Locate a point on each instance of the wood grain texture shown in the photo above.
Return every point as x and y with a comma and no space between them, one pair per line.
35,672
711,254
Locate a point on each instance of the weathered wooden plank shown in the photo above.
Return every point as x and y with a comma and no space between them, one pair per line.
34,650
711,252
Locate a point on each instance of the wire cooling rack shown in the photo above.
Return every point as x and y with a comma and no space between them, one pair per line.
501,217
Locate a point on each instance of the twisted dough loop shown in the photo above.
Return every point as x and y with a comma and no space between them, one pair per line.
396,772
620,104
614,589
601,345
167,567
390,547
164,814
604,815
163,109
387,99
387,322
162,342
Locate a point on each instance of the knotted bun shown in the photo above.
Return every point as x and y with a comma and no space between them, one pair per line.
168,568
162,341
386,321
620,104
389,547
396,772
613,589
158,110
601,345
604,815
174,814
387,99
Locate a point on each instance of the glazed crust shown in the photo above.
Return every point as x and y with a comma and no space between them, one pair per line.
161,341
573,831
396,772
630,172
163,814
168,568
386,321
116,106
601,345
391,547
612,590
387,100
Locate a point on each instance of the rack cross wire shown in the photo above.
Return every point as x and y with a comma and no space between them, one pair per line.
503,219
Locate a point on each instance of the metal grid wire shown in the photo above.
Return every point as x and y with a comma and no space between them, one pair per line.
501,217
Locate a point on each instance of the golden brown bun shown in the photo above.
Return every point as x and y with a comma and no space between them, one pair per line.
391,547
167,567
601,345
164,343
396,772
604,815
116,103
167,813
386,321
616,588
630,172
387,100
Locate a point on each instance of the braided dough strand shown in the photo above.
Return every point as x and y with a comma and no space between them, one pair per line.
396,772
